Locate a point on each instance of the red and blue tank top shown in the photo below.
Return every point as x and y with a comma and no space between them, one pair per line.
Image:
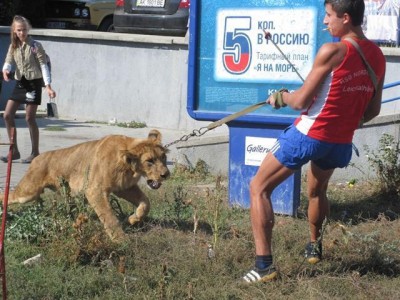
337,109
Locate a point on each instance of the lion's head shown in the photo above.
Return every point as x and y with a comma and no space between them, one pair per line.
149,158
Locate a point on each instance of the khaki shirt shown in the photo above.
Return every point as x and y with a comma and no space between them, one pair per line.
28,59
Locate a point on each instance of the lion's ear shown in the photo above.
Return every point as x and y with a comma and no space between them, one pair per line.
131,159
155,136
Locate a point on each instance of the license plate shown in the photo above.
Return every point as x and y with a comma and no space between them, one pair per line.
150,3
56,25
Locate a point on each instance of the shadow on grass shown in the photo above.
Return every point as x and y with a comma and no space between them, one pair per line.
370,265
369,208
374,263
183,226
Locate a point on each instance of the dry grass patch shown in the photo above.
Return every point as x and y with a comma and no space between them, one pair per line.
194,245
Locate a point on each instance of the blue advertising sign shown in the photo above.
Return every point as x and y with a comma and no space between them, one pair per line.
232,65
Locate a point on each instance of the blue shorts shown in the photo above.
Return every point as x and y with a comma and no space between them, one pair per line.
293,149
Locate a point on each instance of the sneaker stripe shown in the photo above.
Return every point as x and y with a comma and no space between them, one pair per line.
252,276
255,274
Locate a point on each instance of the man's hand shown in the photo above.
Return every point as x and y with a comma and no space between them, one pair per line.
276,99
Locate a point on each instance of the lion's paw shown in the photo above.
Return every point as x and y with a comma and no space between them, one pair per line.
133,219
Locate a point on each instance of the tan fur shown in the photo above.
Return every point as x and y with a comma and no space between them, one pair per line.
113,164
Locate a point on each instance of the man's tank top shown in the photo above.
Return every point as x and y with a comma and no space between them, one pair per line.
337,109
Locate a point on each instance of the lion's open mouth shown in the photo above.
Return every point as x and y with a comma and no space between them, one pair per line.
153,184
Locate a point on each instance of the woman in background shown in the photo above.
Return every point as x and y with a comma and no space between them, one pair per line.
31,70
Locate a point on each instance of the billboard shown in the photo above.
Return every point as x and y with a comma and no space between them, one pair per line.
232,65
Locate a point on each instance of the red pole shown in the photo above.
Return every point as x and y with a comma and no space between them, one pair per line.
4,217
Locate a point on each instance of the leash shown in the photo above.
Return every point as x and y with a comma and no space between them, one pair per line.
235,115
213,125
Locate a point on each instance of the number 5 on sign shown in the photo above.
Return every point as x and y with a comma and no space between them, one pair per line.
237,45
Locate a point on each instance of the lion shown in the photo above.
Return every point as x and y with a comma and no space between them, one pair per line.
113,164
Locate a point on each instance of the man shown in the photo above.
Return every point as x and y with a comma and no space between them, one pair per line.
337,95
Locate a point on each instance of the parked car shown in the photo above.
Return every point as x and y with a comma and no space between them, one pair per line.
83,14
34,11
159,17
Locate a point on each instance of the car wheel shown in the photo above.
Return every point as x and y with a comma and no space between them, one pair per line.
107,25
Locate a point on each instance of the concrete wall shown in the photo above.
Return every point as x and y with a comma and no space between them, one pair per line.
369,135
102,76
392,75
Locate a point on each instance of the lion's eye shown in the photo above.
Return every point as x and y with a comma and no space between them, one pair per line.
150,161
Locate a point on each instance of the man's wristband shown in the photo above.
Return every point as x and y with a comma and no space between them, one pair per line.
278,96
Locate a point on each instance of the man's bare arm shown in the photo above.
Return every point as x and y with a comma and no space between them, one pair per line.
328,57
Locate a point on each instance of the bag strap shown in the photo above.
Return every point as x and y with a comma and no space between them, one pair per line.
36,54
371,72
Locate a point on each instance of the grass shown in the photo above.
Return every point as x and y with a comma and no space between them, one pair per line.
131,124
54,128
194,245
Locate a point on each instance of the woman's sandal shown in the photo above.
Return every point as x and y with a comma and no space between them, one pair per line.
29,159
15,156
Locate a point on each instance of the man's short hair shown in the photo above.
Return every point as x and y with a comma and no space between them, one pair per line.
354,8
